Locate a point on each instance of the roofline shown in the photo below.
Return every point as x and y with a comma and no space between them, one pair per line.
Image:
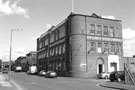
94,17
72,14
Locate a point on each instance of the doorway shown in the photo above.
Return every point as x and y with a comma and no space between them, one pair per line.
100,65
100,68
113,66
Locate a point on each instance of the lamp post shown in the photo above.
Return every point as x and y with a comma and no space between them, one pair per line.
12,30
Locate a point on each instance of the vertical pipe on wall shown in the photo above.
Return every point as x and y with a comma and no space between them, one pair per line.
86,44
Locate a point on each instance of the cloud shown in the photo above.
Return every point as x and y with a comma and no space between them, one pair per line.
108,17
8,8
20,51
129,42
128,33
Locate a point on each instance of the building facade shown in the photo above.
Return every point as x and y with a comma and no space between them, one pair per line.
26,61
81,46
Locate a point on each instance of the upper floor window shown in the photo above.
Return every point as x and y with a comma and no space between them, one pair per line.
111,31
120,48
62,31
40,45
105,31
60,49
56,35
92,29
99,47
106,47
63,49
93,47
46,41
112,47
99,30
52,37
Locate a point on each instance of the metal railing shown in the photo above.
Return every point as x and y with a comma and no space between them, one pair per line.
128,75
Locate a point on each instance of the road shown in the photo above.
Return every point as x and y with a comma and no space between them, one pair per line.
22,81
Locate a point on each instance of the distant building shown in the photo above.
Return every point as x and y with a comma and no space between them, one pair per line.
26,61
82,46
32,57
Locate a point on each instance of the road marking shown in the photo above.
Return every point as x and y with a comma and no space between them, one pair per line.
5,84
17,86
33,83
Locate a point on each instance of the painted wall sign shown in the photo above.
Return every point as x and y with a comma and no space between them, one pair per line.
104,39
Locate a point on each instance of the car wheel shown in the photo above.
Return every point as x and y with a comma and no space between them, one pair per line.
106,77
118,79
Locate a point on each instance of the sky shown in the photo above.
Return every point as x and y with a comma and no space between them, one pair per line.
37,16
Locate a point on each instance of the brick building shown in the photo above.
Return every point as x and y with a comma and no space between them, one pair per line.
26,61
82,46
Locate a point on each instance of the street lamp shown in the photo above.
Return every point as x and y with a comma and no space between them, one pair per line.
12,30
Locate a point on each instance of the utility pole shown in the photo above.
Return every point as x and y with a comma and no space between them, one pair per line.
10,55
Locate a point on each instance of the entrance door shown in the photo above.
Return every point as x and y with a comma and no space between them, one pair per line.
113,67
100,68
100,65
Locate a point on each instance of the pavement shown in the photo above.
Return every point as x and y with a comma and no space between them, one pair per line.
117,85
7,84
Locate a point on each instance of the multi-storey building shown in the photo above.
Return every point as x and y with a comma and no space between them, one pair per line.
81,46
26,61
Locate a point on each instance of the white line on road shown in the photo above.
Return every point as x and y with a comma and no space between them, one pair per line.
17,86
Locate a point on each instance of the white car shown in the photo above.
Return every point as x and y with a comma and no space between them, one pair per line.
104,75
32,70
18,69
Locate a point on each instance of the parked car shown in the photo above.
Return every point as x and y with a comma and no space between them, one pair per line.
117,75
51,74
42,73
18,69
103,75
32,70
5,70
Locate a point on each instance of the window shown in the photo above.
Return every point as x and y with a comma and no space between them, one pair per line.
93,46
117,48
106,47
47,53
99,49
56,35
60,49
40,45
112,47
46,41
111,31
52,37
52,51
56,50
92,29
120,48
62,32
105,31
63,49
99,30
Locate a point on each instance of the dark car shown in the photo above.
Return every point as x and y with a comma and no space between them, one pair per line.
51,74
42,73
117,75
